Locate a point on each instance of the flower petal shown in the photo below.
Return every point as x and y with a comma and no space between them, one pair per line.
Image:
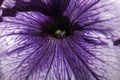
27,55
79,7
1,1
50,7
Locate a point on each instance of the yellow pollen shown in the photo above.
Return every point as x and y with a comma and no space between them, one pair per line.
58,31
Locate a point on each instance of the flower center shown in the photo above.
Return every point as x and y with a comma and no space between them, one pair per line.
59,28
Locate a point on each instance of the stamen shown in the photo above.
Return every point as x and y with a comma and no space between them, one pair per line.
60,34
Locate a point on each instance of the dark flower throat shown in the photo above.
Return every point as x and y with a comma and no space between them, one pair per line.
59,28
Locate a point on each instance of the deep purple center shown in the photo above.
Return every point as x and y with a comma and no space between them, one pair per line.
59,28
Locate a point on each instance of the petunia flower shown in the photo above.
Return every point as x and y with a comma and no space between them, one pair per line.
58,40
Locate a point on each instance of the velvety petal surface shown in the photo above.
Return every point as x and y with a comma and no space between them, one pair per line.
47,7
26,53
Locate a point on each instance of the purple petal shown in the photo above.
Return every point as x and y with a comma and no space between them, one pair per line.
26,54
50,7
1,1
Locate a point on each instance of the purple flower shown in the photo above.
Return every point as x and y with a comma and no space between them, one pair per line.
56,40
